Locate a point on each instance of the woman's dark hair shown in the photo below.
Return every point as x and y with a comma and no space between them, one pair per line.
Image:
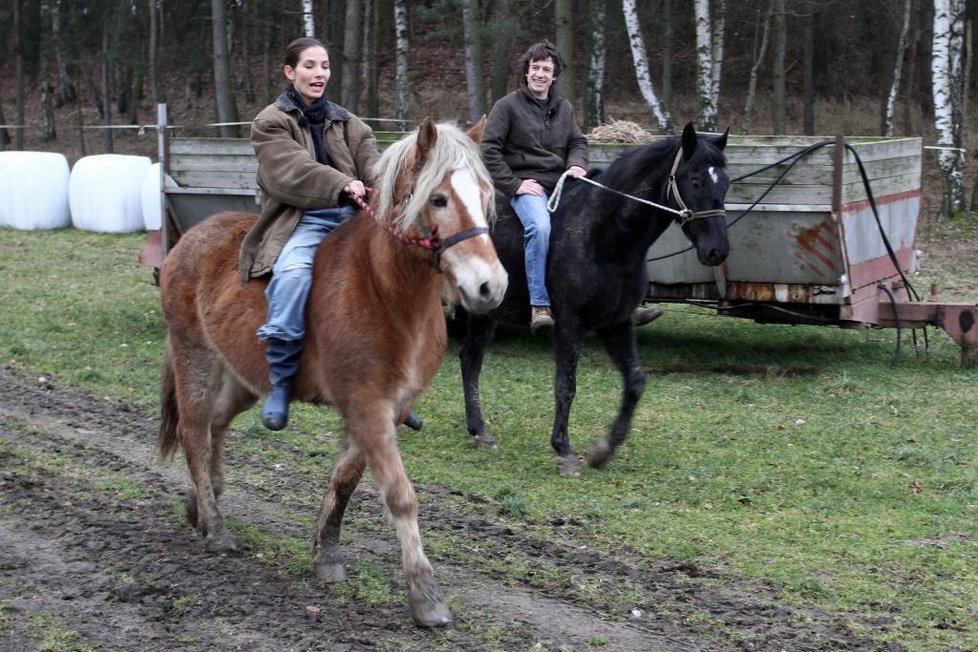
539,51
296,47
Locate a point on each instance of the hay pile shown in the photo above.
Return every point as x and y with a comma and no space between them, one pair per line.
619,131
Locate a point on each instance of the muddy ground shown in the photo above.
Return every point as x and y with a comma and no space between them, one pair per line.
95,555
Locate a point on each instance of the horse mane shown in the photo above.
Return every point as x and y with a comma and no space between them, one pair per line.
453,150
662,153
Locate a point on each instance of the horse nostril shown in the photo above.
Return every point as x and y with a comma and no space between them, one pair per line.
484,291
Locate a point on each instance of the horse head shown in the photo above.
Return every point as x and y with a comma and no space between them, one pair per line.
698,184
440,199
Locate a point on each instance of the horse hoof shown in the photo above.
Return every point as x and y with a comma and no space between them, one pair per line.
431,614
599,454
190,504
221,543
569,466
485,441
329,570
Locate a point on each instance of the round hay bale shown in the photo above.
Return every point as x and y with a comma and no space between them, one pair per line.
105,192
152,208
34,190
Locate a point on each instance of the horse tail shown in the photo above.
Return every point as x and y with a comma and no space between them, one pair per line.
169,442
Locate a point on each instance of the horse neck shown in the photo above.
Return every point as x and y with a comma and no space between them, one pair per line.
399,271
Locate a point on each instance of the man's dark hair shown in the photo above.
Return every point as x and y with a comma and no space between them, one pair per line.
539,51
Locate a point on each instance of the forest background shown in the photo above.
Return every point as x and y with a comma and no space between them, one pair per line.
84,76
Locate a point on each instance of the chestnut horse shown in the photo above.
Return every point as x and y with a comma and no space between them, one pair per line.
375,336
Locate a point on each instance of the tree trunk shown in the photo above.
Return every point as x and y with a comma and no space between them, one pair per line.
637,45
66,84
106,104
808,77
401,61
371,28
943,69
153,54
19,116
308,19
4,133
352,41
594,93
564,24
761,32
779,42
704,66
503,40
666,38
223,92
471,43
897,69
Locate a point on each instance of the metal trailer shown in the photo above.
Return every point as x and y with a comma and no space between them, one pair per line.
806,246
821,232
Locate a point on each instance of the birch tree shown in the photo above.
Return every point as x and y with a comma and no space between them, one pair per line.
594,93
946,68
401,60
308,20
897,69
637,45
779,32
709,58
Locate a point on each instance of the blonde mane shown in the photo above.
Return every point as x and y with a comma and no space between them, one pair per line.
453,150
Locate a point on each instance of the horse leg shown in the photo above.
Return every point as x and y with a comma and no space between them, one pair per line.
232,399
619,341
567,350
347,472
478,333
377,441
195,372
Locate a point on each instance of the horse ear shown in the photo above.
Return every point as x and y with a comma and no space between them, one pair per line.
721,140
475,131
689,140
427,136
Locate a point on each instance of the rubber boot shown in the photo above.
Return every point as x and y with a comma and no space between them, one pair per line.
283,364
414,422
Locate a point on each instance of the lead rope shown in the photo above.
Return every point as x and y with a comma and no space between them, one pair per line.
683,211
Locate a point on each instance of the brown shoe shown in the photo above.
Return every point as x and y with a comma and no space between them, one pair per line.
541,319
645,315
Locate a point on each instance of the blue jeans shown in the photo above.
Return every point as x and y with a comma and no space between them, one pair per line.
535,217
288,290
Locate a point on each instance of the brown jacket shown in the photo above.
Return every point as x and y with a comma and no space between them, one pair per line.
524,140
291,181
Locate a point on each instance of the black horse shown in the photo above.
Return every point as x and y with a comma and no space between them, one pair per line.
596,270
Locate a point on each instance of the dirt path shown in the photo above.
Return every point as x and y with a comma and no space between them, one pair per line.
96,556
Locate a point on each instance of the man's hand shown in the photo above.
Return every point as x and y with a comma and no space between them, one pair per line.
530,187
576,171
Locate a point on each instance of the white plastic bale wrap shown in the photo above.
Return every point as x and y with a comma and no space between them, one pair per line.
34,190
152,211
105,191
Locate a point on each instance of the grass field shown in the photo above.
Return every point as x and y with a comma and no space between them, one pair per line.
811,459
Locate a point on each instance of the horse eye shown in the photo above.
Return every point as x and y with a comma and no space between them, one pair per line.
439,201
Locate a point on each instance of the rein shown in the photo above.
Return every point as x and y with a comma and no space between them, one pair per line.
683,212
431,242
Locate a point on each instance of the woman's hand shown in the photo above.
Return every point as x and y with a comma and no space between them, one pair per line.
355,188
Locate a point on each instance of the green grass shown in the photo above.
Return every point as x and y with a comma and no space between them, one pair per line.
806,458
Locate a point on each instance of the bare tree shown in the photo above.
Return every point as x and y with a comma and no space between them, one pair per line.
352,47
762,29
564,24
778,54
401,60
474,88
66,84
639,58
223,93
504,30
897,69
153,52
18,47
946,65
594,93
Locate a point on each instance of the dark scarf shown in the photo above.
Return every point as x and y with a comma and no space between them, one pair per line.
315,117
